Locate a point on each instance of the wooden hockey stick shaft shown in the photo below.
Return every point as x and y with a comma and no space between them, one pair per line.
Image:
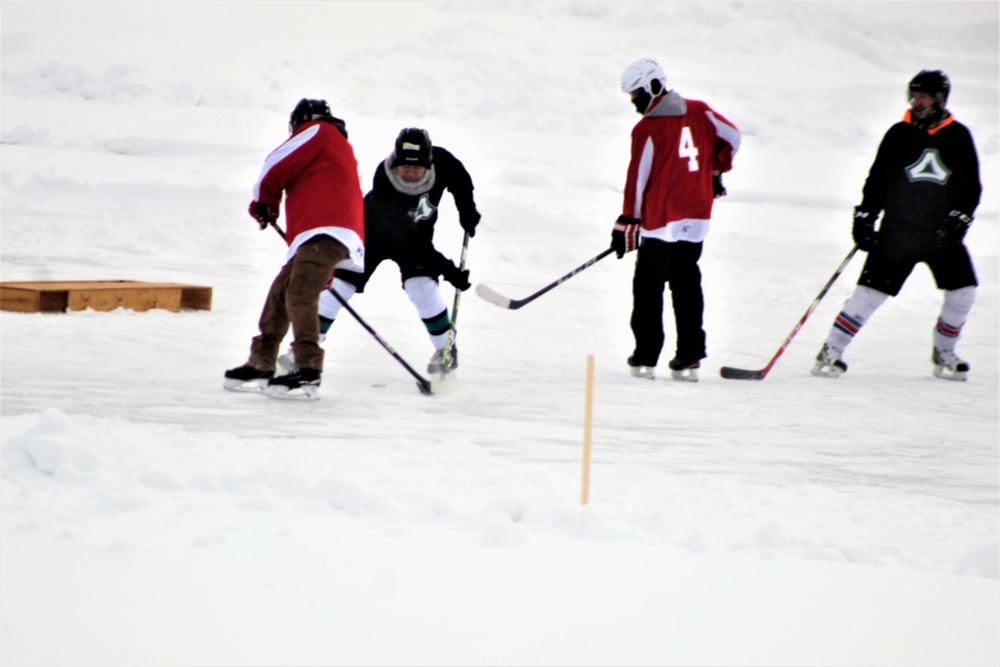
741,374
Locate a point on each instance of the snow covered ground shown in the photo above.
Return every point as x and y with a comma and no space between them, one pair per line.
148,517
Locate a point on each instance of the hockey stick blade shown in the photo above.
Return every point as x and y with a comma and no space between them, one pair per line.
498,299
741,374
494,297
426,386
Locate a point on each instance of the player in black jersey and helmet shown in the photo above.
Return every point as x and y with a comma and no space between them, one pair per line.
925,183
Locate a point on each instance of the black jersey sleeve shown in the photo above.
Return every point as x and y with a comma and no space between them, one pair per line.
457,181
965,189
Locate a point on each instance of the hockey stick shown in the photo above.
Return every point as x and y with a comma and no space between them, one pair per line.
498,299
450,342
741,374
425,385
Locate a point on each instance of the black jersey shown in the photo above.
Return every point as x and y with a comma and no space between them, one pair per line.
420,207
918,177
400,217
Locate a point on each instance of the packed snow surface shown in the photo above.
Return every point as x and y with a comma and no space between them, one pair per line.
149,517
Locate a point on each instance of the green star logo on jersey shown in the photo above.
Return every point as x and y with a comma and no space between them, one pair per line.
929,168
424,210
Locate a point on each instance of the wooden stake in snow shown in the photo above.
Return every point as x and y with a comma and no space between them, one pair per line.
587,419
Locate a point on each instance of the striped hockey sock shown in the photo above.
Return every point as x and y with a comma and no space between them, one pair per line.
947,331
437,328
426,297
954,312
857,310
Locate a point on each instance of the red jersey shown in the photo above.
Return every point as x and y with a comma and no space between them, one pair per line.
676,148
317,171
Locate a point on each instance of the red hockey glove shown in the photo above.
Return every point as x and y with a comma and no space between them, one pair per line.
625,235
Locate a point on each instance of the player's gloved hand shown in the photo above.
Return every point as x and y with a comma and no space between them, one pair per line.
864,229
469,220
625,235
953,229
718,190
457,277
264,214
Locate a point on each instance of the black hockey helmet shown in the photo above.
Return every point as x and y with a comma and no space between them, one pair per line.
413,148
307,110
932,82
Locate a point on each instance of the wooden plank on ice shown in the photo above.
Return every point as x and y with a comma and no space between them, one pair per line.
102,295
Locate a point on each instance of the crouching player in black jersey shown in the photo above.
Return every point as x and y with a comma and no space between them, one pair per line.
925,182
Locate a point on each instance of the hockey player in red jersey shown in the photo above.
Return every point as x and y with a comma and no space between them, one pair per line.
316,171
680,149
925,179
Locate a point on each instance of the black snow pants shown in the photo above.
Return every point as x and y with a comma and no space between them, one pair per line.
658,265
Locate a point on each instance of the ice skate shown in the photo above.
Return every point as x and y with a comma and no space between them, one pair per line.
640,371
302,385
437,364
681,369
246,378
948,365
828,363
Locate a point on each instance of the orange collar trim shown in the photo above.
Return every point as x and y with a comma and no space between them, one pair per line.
908,119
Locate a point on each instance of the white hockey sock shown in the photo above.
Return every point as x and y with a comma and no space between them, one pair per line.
954,313
329,307
426,296
857,310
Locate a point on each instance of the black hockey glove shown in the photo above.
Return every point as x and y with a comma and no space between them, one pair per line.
469,221
264,214
457,277
953,229
717,188
625,235
864,229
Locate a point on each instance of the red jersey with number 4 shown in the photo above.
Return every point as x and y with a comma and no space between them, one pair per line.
676,148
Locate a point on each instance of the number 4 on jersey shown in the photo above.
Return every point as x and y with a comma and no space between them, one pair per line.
687,149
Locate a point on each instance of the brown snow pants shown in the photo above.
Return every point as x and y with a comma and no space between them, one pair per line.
293,300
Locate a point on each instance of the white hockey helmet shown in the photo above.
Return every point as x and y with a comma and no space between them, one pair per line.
641,74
